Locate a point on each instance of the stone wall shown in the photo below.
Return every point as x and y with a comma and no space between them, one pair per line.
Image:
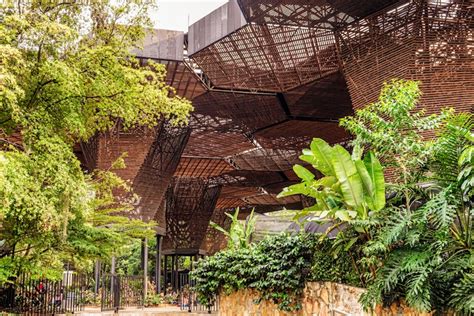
319,299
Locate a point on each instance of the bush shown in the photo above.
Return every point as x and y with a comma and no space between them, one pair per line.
153,299
331,267
277,268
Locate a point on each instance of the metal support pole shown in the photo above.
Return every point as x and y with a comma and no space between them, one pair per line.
112,280
190,299
165,274
142,253
159,240
177,274
97,277
145,267
173,259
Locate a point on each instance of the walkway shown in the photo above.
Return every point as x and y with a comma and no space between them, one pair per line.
160,311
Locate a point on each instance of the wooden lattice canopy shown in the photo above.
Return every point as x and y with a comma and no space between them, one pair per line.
261,91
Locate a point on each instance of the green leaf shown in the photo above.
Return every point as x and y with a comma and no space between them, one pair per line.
217,227
343,215
299,188
325,182
346,172
357,152
366,180
303,173
319,156
375,171
351,243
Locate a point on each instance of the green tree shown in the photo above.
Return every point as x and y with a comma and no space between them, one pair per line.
66,74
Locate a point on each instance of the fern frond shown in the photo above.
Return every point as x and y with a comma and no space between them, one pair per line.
462,298
418,290
398,225
449,146
440,209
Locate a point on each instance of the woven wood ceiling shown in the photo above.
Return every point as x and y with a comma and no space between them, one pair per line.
263,92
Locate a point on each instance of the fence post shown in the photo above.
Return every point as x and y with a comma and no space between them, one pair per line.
116,292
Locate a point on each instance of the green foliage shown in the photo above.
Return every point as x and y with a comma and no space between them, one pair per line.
417,246
277,268
331,266
153,299
67,74
239,234
88,297
350,188
462,298
427,250
394,130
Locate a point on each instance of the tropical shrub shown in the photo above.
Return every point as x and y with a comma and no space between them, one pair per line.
428,255
240,233
417,247
350,188
277,268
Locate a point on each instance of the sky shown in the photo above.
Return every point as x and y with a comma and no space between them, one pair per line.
175,14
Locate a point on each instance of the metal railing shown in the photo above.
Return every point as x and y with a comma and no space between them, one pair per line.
188,301
120,291
27,295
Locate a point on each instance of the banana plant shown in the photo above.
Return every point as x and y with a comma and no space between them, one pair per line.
350,187
239,234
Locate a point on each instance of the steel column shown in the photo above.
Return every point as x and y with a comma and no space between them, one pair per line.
145,266
159,240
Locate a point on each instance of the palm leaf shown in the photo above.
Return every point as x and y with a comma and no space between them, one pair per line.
250,227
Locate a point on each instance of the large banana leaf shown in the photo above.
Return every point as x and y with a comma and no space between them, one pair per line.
250,227
366,182
303,173
319,156
376,200
298,188
346,172
307,188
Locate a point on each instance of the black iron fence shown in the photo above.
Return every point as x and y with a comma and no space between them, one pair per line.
27,295
121,291
32,296
188,300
